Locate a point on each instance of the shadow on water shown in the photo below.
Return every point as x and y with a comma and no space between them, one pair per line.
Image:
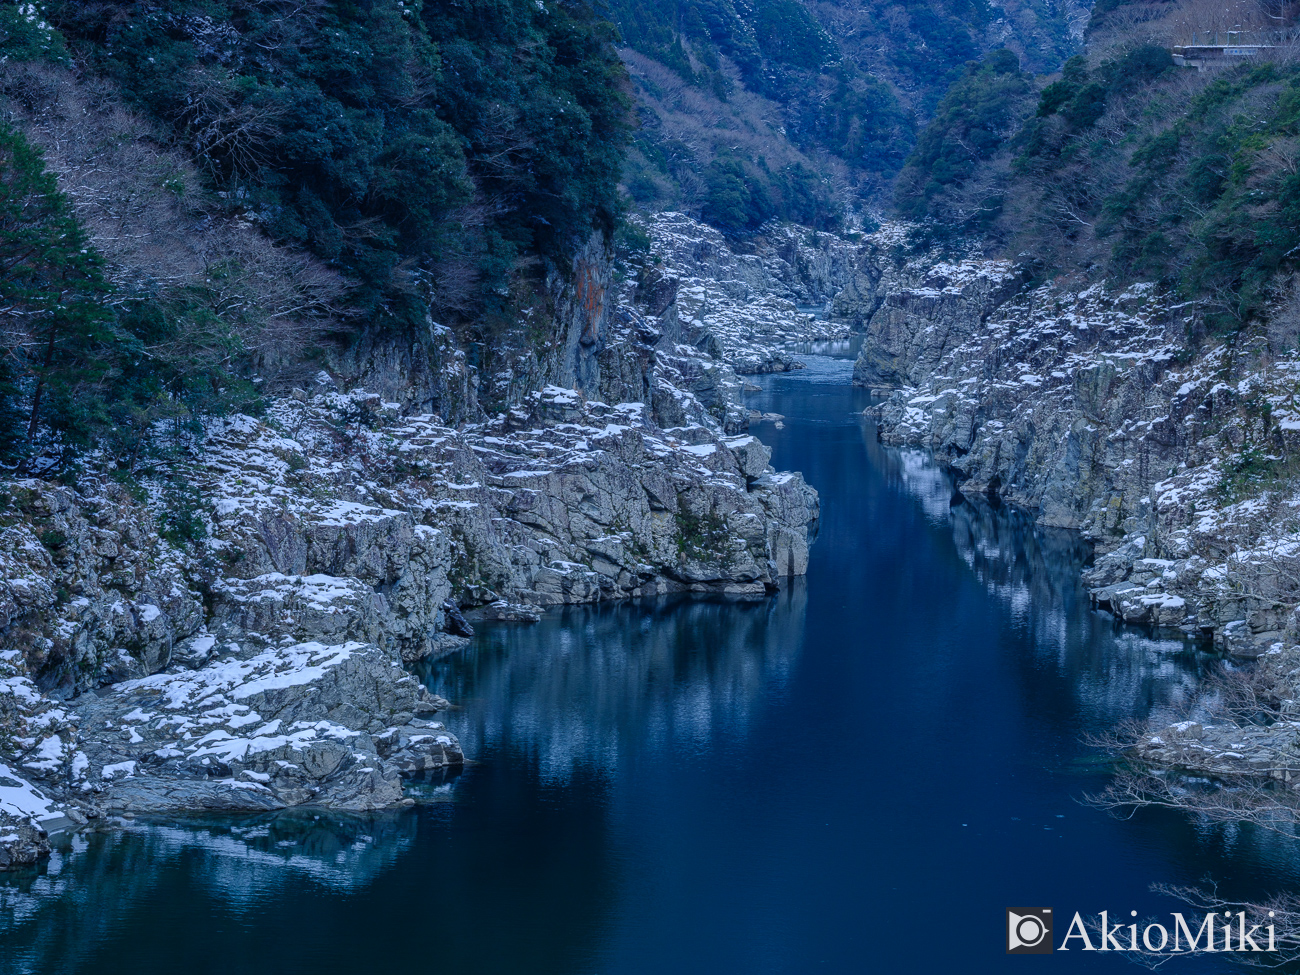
797,784
589,685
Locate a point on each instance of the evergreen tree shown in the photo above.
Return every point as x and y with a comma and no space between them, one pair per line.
415,146
972,123
61,342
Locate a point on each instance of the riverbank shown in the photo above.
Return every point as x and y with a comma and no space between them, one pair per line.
1086,407
235,635
1089,407
631,756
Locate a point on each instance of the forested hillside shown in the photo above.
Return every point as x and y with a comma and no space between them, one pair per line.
454,136
244,180
809,106
1127,165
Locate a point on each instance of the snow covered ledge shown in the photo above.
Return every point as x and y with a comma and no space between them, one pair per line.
336,726
26,817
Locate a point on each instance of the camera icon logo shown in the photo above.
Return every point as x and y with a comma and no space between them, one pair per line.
1029,931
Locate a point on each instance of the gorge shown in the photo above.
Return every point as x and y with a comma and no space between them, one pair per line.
693,486
901,727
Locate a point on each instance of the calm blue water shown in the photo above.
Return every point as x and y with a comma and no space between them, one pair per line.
858,775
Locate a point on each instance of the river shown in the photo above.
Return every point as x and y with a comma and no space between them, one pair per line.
856,775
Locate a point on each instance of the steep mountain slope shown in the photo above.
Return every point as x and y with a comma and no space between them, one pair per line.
769,93
1117,352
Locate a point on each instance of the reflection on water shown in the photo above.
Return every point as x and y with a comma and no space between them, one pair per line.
1035,573
844,348
712,786
58,919
585,685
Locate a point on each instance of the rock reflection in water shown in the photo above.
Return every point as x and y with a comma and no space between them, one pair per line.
59,919
1112,669
588,683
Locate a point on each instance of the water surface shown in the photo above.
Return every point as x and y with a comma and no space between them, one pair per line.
857,775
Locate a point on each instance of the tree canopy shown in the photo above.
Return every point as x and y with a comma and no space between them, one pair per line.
424,149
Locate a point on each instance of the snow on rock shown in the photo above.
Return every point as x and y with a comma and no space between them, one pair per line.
327,559
307,723
232,635
19,799
1084,405
24,811
334,562
745,307
706,313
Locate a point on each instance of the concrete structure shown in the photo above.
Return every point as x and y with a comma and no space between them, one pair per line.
1222,48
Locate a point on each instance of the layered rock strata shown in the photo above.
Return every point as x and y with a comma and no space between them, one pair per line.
1090,406
234,636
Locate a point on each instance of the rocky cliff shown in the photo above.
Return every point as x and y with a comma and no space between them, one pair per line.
233,635
1088,405
1109,410
721,308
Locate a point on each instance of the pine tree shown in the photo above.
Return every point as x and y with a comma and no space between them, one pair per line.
61,344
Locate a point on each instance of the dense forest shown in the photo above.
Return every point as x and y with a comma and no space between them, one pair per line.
401,159
371,133
1126,165
815,105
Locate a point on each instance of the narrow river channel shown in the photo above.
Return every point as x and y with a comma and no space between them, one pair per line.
857,775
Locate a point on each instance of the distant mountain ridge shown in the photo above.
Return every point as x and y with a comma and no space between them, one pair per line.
751,109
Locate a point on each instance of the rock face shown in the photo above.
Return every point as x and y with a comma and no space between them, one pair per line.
712,314
559,500
233,636
331,725
1226,752
673,329
915,326
1040,400
1086,406
65,561
306,723
337,539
